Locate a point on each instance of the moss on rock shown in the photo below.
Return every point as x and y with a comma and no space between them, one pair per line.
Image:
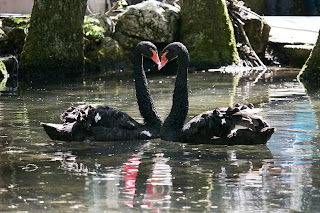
257,31
106,55
310,72
54,45
208,33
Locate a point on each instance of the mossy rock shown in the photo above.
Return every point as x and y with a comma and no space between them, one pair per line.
105,55
54,44
16,37
310,72
297,54
15,22
4,44
257,31
127,42
208,33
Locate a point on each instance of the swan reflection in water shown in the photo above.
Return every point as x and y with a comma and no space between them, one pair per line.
152,193
185,178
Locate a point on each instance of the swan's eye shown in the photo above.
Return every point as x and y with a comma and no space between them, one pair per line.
152,50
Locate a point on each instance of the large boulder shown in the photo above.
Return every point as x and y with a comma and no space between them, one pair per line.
257,30
4,43
102,52
12,35
16,37
104,55
149,20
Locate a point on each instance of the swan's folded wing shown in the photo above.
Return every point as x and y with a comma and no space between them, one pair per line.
109,117
204,125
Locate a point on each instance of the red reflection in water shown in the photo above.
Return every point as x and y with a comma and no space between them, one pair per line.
157,195
131,171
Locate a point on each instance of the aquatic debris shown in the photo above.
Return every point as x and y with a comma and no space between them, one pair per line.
30,167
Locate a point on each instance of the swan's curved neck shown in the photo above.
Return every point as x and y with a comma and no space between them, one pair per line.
173,124
144,98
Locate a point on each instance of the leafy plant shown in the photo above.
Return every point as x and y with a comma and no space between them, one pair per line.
18,21
92,28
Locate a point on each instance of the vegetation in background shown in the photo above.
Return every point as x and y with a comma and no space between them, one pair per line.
91,28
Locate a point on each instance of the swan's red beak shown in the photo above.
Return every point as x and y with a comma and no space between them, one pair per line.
155,57
164,61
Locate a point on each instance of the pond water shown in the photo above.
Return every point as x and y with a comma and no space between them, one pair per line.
41,175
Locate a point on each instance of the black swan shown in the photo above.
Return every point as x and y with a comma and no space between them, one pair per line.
216,126
103,123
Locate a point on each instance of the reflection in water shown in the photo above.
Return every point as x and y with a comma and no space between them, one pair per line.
295,153
39,175
131,171
159,184
69,163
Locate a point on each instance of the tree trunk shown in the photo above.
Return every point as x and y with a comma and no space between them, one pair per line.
54,44
208,33
310,73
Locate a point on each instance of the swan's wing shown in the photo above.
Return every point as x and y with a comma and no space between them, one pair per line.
203,125
97,115
111,118
214,123
72,113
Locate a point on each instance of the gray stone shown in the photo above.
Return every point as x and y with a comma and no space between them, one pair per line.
149,20
257,31
297,54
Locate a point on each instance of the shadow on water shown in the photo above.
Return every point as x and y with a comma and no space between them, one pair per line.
38,174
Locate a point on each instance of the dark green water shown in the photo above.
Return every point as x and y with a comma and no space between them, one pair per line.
41,175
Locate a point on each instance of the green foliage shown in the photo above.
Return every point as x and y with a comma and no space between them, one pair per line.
92,28
17,20
24,25
121,4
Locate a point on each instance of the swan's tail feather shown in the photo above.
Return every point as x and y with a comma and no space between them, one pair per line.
64,132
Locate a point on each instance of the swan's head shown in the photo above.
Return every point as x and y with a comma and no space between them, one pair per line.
149,50
171,52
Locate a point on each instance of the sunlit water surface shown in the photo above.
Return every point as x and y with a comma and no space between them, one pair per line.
41,175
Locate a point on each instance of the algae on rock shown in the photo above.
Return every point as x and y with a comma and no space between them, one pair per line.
54,44
208,33
310,72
